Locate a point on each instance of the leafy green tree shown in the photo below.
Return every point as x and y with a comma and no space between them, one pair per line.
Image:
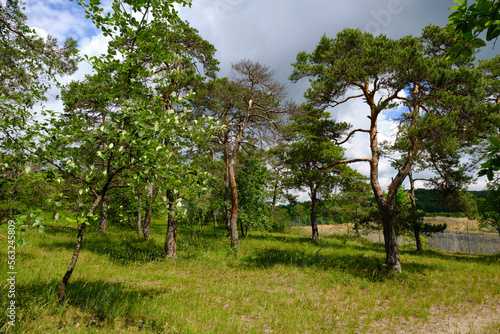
298,211
29,65
247,105
491,69
193,62
145,136
277,171
437,100
353,198
309,147
489,207
281,218
469,21
411,219
252,178
217,99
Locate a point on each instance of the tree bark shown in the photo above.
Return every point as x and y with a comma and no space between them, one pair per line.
391,244
386,205
149,212
76,252
171,239
139,214
227,191
234,205
314,210
274,196
416,232
232,180
54,210
103,220
415,225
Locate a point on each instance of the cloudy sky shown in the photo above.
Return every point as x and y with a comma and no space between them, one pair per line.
271,32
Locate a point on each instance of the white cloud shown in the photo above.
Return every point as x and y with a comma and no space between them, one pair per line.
41,32
271,32
59,18
95,45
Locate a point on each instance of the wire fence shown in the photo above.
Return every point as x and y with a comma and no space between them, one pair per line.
452,241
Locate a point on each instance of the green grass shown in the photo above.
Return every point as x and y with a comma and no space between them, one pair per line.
276,283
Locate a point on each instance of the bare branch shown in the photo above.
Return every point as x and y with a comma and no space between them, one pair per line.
334,103
344,162
350,135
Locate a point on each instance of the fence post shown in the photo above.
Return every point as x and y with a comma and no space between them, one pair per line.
468,236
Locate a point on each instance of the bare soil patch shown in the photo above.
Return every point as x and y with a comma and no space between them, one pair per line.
461,319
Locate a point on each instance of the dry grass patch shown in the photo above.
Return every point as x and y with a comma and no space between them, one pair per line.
276,283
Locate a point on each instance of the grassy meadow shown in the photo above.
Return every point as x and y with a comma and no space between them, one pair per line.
275,283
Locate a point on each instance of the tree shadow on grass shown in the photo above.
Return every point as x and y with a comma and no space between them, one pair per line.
335,241
100,303
121,248
459,257
371,268
286,238
125,247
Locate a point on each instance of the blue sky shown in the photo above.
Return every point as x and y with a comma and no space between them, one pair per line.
271,32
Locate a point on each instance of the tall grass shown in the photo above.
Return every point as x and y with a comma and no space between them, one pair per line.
276,282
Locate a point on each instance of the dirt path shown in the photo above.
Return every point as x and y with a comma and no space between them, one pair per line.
462,319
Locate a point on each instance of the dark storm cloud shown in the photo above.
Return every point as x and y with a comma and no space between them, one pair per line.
274,31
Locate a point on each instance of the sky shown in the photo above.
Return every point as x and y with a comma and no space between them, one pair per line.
270,32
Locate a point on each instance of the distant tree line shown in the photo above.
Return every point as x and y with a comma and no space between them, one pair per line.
431,201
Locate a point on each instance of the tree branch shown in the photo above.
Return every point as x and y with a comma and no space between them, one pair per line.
350,135
344,162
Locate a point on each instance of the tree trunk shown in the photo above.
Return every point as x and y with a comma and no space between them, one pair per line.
149,212
76,252
274,196
415,224
139,214
227,192
391,244
314,210
234,205
386,205
54,210
171,239
103,220
416,232
356,229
